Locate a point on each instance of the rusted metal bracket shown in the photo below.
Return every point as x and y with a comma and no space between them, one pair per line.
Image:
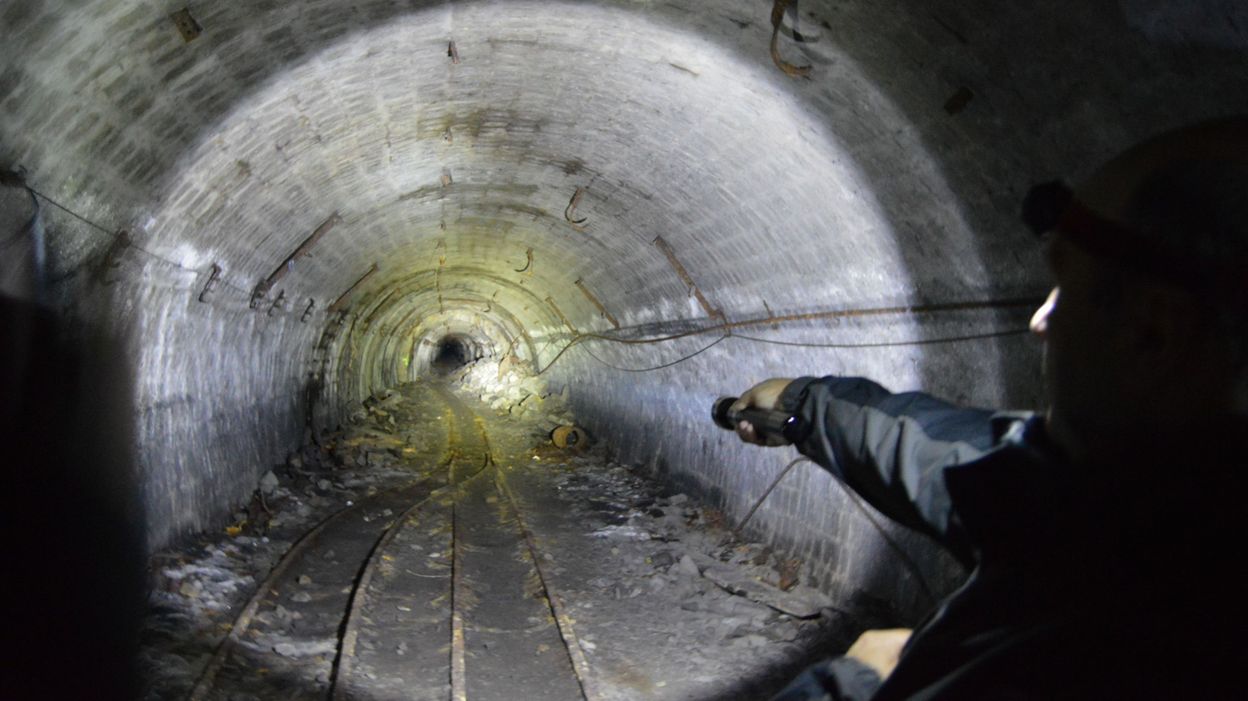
377,308
276,276
437,282
342,299
685,278
770,314
307,313
279,304
529,264
569,212
777,19
594,300
186,24
558,311
213,278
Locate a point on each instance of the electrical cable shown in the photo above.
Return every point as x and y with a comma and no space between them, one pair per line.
678,361
889,344
913,309
558,355
902,555
72,213
753,339
766,493
114,234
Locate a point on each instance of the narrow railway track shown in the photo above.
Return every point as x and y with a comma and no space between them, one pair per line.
426,592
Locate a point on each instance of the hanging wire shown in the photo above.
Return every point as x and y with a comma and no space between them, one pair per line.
72,213
766,493
889,344
678,361
753,339
729,327
904,557
115,234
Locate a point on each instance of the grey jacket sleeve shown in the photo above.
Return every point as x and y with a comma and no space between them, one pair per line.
837,679
891,448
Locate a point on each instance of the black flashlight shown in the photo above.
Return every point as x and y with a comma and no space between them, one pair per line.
766,422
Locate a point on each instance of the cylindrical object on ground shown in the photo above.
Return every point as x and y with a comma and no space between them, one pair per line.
569,437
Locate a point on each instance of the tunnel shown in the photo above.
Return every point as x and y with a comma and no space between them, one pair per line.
281,213
452,352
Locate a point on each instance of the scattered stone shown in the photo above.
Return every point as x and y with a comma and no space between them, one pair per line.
781,632
268,483
689,567
799,602
662,559
788,570
305,648
284,615
750,641
621,533
671,581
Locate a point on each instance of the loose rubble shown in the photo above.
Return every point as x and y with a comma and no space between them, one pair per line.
667,603
510,387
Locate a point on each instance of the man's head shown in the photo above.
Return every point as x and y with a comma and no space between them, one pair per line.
1147,329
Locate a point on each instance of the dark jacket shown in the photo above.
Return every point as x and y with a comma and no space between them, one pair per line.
1119,580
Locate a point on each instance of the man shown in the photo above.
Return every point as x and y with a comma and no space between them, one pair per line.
1104,535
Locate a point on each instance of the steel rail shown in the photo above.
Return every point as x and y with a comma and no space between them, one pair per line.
207,677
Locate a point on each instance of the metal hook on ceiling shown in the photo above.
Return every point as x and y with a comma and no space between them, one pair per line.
570,210
529,264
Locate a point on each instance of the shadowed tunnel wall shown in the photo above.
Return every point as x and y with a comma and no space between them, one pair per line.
519,174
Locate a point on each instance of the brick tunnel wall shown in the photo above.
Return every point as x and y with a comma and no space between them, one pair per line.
494,165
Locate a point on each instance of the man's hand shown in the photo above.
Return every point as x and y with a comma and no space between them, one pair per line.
880,649
764,395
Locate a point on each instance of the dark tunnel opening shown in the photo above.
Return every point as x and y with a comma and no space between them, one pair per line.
452,353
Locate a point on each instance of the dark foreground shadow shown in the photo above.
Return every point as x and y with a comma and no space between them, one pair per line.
72,590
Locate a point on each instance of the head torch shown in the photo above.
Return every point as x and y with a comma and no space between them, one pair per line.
1052,206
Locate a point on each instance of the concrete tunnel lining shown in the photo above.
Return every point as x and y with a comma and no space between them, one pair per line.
853,189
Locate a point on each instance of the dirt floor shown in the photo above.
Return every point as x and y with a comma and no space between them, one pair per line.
441,546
